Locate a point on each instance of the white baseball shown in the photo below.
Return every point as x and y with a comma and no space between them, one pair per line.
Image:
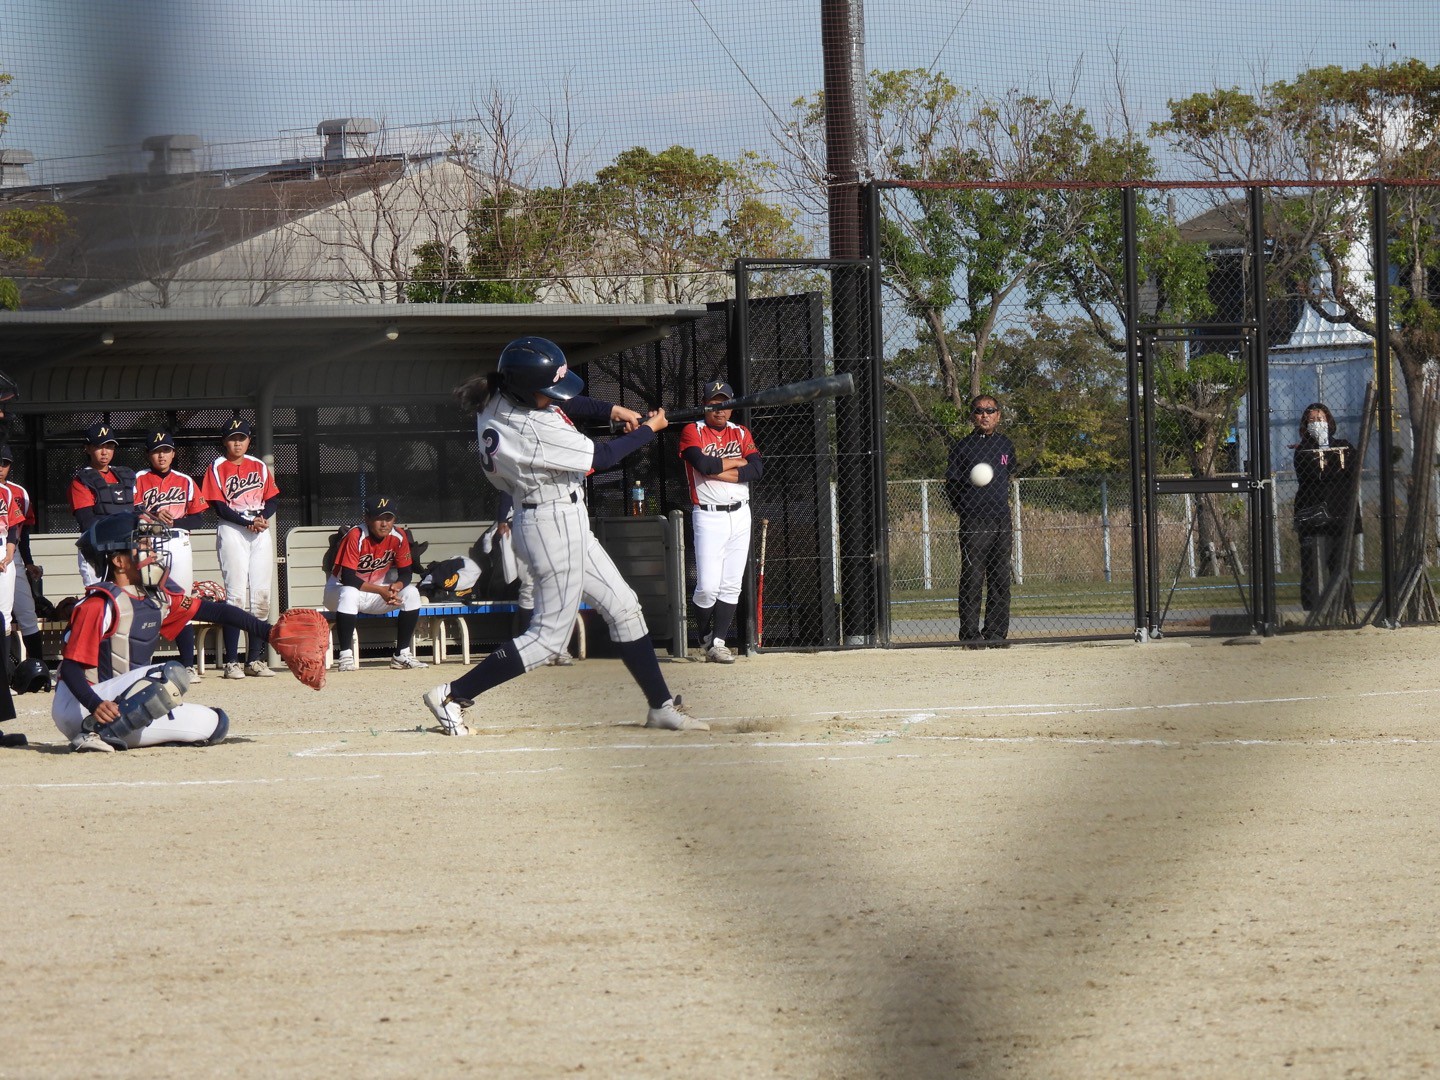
981,474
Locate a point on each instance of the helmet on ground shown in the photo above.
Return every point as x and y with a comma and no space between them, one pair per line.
30,676
142,538
531,365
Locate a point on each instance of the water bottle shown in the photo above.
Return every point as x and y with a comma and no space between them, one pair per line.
637,499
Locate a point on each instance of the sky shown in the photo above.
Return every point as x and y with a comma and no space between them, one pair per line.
95,77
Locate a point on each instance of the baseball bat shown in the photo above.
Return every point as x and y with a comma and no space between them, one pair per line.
794,393
760,588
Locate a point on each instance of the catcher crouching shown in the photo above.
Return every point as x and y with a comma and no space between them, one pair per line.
110,696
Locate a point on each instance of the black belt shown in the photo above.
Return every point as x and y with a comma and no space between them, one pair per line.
720,509
574,498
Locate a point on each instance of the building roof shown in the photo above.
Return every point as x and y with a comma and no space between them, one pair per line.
298,355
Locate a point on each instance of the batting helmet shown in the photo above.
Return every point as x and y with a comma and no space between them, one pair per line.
30,676
531,365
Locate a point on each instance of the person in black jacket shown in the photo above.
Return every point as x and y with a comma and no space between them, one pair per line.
982,504
1325,469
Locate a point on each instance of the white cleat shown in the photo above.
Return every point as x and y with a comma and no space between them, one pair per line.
194,673
405,661
719,654
259,669
347,662
90,742
234,670
672,716
560,660
446,709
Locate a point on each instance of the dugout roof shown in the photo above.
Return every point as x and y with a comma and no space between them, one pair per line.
304,355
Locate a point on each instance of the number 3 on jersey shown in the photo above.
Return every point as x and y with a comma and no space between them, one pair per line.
489,443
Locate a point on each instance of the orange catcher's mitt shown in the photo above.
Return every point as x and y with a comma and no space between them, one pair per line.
302,638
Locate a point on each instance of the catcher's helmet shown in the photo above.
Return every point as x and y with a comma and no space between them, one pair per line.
142,538
30,676
531,365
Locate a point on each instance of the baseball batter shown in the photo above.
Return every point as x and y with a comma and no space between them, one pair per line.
721,461
530,449
25,570
243,494
111,697
100,487
174,499
366,556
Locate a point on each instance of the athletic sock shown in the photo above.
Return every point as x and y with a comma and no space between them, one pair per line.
724,616
644,668
185,642
405,632
704,618
500,666
345,631
231,636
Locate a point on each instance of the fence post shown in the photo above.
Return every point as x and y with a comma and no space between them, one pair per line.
925,529
1019,557
1105,522
1190,533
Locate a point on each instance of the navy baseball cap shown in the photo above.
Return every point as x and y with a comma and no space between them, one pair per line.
381,506
718,390
5,454
159,440
99,434
237,427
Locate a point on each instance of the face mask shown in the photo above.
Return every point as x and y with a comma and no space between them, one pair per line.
1319,431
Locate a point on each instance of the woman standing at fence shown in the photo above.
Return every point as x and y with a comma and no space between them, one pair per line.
531,450
1325,468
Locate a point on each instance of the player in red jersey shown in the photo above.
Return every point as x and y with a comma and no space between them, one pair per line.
359,583
23,607
174,499
242,492
100,487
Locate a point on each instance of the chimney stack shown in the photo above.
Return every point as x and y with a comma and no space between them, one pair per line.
172,154
339,133
12,168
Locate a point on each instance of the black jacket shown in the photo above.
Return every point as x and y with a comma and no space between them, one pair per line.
988,503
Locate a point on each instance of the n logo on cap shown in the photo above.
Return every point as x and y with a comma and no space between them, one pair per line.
103,431
382,506
717,388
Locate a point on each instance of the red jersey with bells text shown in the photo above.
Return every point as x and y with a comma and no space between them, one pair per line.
731,441
21,498
174,492
372,559
14,505
245,485
112,630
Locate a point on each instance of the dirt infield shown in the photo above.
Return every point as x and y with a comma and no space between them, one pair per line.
1176,859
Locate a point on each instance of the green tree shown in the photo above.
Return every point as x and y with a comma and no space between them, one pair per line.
24,230
1380,121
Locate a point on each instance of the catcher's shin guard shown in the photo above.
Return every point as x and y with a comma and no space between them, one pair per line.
142,702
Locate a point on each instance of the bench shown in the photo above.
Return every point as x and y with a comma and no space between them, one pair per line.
305,548
56,553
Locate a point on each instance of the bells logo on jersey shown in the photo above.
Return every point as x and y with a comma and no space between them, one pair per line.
367,562
235,486
723,450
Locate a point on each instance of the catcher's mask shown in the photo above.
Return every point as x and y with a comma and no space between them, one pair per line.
140,536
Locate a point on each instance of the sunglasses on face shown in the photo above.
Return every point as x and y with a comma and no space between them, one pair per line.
984,411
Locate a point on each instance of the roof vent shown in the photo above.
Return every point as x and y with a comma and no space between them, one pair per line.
12,167
172,154
341,134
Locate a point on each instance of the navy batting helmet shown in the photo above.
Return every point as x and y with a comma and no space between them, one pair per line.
30,676
531,365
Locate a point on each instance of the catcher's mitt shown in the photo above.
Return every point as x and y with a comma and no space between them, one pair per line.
302,638
209,590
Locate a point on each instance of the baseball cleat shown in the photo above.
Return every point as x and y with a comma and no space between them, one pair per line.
446,709
347,662
404,661
234,670
90,742
259,669
194,673
719,654
560,660
672,716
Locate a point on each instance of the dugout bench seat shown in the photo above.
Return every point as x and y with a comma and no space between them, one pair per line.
305,548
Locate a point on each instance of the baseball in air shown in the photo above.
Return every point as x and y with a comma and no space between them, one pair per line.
981,474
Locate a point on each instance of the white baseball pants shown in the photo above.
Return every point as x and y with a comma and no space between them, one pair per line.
182,559
186,723
24,607
722,541
348,600
247,564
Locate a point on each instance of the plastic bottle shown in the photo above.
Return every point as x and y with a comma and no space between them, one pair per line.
637,499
